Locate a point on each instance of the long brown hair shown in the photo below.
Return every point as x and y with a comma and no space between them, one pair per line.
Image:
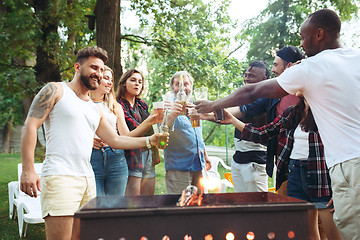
122,90
298,115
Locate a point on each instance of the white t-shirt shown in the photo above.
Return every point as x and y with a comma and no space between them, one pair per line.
300,150
69,131
330,82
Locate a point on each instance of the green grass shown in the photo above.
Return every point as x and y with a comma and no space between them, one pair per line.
160,187
9,228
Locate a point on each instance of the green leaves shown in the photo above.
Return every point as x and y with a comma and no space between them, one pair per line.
278,25
191,36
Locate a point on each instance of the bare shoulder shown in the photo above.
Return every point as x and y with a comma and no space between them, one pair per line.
118,108
45,100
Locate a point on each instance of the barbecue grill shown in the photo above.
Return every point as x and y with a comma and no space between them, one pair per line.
246,215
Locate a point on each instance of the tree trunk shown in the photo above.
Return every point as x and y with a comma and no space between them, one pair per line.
7,133
107,13
118,71
47,67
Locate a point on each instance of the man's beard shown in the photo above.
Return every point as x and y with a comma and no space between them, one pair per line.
87,81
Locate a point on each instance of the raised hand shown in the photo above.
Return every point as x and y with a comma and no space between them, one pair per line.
229,118
155,117
154,139
204,106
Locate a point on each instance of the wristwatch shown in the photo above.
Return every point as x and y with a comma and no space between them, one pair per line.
148,144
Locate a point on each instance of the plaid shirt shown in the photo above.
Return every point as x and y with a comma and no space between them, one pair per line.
317,171
134,157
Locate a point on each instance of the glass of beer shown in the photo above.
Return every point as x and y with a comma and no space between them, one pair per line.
194,117
159,108
184,109
219,115
163,138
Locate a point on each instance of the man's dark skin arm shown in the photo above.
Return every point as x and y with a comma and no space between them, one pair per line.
243,95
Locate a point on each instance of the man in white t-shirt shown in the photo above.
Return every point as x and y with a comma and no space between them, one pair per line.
71,121
330,82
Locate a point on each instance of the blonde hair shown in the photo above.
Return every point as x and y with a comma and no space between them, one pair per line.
108,99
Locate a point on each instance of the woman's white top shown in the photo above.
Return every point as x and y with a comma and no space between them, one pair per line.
300,150
108,114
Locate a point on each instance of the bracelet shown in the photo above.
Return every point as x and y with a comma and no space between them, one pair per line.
148,144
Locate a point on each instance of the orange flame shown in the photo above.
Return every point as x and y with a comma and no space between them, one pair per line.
199,200
210,183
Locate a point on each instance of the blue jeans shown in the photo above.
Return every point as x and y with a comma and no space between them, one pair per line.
111,171
297,184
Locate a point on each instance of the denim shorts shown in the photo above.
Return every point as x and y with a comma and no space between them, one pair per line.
148,170
297,184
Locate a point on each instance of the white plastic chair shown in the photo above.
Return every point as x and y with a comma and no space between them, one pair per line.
13,190
213,175
22,206
215,163
28,212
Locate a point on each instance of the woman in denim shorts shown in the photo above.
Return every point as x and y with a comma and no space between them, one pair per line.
141,162
301,161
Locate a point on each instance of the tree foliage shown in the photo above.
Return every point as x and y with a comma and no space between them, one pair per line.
49,32
191,36
39,39
278,24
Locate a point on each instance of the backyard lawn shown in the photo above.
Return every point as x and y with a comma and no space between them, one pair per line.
9,228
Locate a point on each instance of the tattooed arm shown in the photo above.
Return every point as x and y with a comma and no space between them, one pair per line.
40,108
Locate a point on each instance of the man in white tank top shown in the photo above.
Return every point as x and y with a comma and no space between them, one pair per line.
329,79
71,121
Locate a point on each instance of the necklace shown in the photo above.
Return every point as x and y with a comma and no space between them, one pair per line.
97,101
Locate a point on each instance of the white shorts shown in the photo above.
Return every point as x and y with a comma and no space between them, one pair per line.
64,195
249,177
